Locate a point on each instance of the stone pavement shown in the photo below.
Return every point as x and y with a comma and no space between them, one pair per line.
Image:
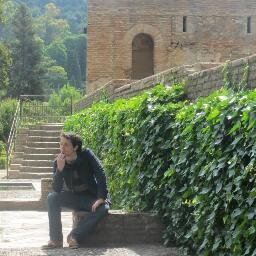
2,173
23,233
17,194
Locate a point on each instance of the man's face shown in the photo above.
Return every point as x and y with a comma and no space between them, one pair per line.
66,147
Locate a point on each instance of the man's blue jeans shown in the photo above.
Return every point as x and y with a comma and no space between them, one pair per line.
55,201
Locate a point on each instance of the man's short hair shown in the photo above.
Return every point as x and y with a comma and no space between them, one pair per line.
74,139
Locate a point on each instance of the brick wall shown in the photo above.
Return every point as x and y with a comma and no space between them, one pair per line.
216,31
199,79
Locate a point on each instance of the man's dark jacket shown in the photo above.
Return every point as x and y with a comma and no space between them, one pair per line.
90,174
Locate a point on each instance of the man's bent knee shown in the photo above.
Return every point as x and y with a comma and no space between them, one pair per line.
52,198
102,210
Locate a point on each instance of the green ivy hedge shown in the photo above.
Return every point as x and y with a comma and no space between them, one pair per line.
192,163
7,110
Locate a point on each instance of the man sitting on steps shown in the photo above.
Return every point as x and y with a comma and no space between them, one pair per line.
79,183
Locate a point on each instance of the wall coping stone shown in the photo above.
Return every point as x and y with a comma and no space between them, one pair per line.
120,227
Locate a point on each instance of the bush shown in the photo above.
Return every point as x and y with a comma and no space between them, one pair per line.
61,100
2,155
192,163
7,111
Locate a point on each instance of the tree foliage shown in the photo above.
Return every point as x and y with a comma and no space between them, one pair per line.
64,98
5,63
76,54
49,25
56,77
73,11
7,110
57,44
27,70
1,11
58,52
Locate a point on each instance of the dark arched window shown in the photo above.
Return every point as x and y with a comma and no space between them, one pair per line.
142,56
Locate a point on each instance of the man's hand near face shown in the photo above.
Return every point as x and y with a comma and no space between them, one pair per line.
60,162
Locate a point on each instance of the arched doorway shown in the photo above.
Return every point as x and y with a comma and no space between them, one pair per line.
142,56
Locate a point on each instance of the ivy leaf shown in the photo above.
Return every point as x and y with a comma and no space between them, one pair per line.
235,127
216,244
219,187
236,213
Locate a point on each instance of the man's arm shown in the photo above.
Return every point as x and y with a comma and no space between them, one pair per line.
102,191
57,183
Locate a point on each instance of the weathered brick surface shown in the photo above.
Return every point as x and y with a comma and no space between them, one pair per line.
46,187
216,31
123,228
199,80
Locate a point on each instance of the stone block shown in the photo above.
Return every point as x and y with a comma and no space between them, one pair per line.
46,187
123,228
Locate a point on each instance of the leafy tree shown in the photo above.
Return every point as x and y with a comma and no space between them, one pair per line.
58,52
56,77
5,63
8,11
5,59
76,64
27,70
74,70
7,110
1,10
50,26
64,97
74,12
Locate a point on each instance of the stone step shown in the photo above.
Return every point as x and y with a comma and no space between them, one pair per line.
44,133
42,163
19,147
35,169
43,139
19,157
21,139
22,130
29,150
35,149
20,142
14,174
40,157
17,161
35,144
52,127
18,154
15,166
33,175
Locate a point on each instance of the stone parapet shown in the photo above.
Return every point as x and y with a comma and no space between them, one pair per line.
123,228
199,80
124,88
46,188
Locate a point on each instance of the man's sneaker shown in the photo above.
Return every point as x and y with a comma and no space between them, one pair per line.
53,244
72,243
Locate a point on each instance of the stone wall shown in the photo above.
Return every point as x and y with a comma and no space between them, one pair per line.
123,88
215,31
123,228
204,82
200,80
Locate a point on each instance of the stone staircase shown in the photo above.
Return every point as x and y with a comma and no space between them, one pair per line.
35,149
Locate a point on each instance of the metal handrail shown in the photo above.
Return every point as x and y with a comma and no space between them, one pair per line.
18,120
11,141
